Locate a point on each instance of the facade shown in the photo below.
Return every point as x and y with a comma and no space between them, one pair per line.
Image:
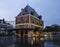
52,32
52,35
4,27
30,23
48,35
56,35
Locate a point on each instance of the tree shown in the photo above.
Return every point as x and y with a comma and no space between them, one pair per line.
53,27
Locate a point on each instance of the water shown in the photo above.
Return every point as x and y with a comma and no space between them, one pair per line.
52,44
7,41
18,42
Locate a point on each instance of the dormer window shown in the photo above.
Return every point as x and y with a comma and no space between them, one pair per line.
25,10
32,13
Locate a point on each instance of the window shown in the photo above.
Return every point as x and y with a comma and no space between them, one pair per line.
32,13
33,21
41,24
25,10
26,21
26,32
18,21
22,13
37,23
17,31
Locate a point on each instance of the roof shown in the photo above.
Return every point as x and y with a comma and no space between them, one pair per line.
28,10
2,21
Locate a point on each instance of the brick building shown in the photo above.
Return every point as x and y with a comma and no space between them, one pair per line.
30,23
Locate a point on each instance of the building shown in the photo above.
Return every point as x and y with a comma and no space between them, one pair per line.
4,27
29,23
12,23
48,35
52,32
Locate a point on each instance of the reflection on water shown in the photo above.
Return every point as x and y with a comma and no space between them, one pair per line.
18,42
7,41
52,44
28,43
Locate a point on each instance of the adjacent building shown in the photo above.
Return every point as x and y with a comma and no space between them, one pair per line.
12,23
4,27
52,32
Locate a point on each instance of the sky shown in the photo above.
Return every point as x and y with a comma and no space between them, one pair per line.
49,9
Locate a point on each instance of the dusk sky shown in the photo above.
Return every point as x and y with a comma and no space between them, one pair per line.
49,9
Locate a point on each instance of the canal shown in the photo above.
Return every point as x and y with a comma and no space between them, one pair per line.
18,42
